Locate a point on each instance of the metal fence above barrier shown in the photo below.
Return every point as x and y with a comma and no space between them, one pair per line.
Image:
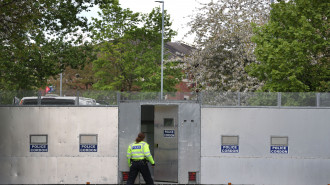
266,99
206,98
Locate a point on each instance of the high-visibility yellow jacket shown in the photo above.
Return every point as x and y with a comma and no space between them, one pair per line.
139,151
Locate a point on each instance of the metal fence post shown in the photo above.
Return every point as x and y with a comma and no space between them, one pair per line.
279,99
118,98
77,97
318,99
200,97
39,97
239,99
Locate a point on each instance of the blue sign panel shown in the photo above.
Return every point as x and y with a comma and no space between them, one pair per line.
88,148
136,147
279,149
229,149
169,133
38,148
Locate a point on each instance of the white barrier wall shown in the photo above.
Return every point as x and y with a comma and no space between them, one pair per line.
307,161
63,162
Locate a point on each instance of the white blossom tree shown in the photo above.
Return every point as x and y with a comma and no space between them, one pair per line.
223,40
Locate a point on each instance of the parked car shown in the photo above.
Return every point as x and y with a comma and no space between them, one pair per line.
58,100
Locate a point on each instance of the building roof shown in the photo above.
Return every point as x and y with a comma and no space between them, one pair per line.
177,49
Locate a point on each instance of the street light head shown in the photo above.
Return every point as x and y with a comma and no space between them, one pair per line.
159,1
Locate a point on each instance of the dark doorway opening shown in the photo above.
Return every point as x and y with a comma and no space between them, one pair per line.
147,127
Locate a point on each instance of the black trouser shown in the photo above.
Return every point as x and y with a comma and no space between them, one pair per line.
139,166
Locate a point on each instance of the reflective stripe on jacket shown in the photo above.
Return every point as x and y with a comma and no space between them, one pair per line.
139,151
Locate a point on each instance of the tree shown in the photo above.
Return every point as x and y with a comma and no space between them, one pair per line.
75,79
293,47
39,39
223,39
128,49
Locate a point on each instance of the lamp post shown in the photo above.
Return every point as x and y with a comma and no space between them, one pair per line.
162,55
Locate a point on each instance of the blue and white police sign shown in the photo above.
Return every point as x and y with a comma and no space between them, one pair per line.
88,148
136,147
279,149
38,148
169,133
229,149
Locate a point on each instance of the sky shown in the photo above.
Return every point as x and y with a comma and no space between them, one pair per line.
179,10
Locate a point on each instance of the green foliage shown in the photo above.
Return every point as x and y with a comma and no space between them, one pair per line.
128,47
39,39
293,47
28,66
79,79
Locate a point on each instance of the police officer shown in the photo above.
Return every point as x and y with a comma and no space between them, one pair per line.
137,155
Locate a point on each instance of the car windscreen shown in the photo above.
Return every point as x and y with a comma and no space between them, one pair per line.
49,101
